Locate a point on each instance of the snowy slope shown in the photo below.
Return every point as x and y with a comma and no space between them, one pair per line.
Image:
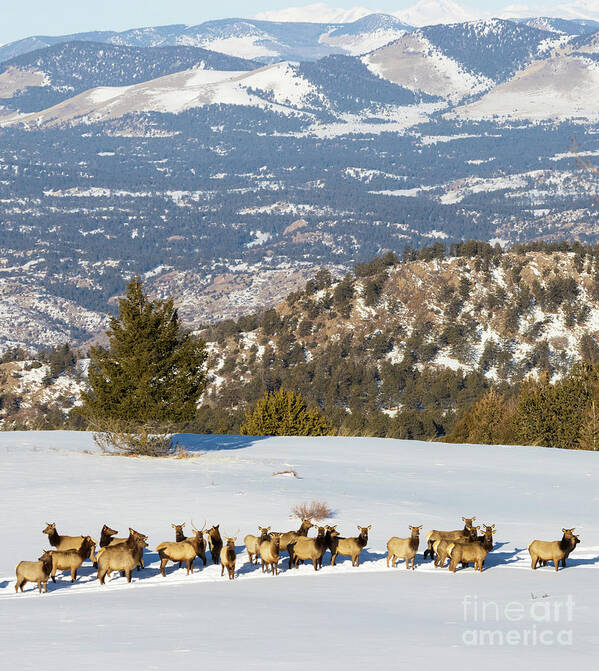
277,87
341,617
569,81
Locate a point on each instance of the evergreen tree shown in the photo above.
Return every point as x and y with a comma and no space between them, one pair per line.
589,431
151,370
284,413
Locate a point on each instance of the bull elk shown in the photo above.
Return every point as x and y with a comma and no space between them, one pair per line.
304,548
34,571
122,556
404,548
228,557
435,535
66,542
553,551
350,547
71,560
252,543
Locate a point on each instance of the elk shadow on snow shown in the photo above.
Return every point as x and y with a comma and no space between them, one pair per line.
495,558
195,442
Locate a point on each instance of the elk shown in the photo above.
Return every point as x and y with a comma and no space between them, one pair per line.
252,543
269,550
228,557
435,535
198,542
106,536
404,548
177,551
466,553
71,560
215,543
555,551
304,548
289,536
66,542
34,571
543,562
350,547
441,546
122,556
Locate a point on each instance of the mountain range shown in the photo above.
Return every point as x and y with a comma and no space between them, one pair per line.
224,175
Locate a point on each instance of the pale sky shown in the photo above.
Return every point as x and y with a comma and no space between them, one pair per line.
42,17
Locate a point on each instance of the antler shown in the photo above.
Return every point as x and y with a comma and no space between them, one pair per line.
197,530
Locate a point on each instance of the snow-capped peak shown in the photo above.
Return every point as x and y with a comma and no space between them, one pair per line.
315,13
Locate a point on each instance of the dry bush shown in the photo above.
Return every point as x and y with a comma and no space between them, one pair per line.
316,510
137,440
290,472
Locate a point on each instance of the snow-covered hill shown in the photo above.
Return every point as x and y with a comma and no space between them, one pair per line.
340,617
458,60
267,41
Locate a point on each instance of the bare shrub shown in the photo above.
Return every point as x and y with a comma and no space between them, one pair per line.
289,472
316,510
131,439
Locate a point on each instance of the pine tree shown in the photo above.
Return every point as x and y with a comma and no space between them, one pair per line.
589,431
284,413
151,370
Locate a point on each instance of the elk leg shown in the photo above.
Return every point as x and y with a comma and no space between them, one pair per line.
556,562
73,575
128,574
222,570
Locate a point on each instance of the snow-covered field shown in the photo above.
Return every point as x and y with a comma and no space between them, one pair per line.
338,618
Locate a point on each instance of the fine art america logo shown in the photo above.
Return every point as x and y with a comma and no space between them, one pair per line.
540,621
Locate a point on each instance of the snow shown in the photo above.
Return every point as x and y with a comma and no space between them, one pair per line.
340,617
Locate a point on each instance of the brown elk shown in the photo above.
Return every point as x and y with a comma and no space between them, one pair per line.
543,562
404,548
106,536
215,542
466,553
228,557
350,547
435,535
34,571
252,543
304,548
66,542
269,550
71,560
441,546
553,551
198,541
288,537
177,551
122,556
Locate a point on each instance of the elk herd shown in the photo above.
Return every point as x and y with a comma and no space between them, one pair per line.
465,546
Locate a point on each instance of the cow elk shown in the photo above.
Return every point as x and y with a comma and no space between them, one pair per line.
215,542
106,536
441,546
228,557
553,551
350,547
289,536
269,550
122,556
71,560
252,543
466,553
435,535
404,548
34,571
304,548
66,542
177,551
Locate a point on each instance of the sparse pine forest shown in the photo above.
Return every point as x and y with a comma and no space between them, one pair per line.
473,344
